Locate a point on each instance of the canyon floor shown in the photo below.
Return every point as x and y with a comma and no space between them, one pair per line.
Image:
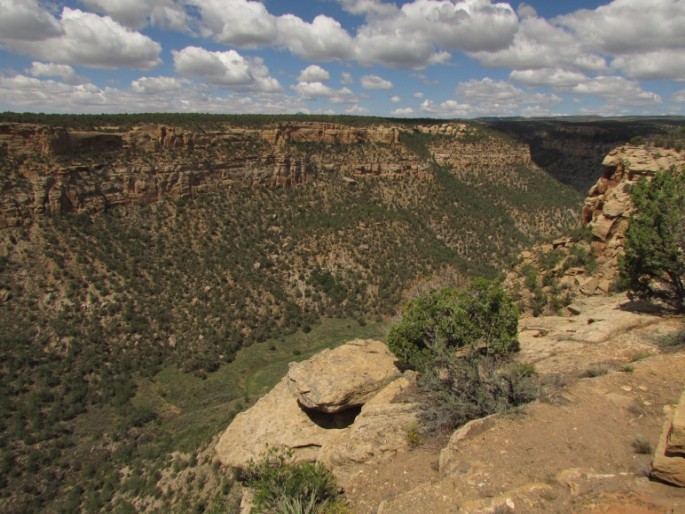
578,451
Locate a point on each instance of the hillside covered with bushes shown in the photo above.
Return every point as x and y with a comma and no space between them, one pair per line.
112,282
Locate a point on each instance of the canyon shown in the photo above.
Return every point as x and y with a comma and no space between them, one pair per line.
152,267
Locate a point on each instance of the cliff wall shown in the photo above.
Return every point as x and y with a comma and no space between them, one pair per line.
549,275
47,170
571,151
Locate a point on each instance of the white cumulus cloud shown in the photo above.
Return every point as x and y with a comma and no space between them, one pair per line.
249,24
618,91
542,44
27,20
228,69
447,109
314,90
34,94
554,77
406,111
666,64
87,39
626,26
63,71
136,14
346,78
423,32
500,94
313,73
156,85
357,109
375,82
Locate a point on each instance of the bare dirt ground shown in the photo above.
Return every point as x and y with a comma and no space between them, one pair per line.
575,453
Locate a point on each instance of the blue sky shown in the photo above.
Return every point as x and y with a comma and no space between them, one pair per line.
410,58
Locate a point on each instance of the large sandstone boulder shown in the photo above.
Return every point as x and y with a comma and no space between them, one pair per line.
379,430
316,410
275,420
345,377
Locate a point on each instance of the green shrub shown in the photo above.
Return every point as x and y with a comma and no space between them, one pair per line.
582,257
530,275
654,263
460,389
279,483
481,316
674,341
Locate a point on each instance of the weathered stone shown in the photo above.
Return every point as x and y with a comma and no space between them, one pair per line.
347,376
380,429
604,285
589,286
275,420
615,207
668,469
676,439
279,419
601,227
184,161
449,455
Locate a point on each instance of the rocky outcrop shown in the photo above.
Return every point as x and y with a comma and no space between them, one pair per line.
573,450
275,420
379,430
571,150
669,458
608,207
330,133
676,438
574,266
368,364
465,147
362,419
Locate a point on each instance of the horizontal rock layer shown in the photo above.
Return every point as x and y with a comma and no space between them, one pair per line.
51,170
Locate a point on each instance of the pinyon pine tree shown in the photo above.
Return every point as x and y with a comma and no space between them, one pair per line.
654,263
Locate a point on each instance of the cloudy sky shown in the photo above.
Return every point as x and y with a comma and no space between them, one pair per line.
428,58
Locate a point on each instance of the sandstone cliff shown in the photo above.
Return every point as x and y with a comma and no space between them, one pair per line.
49,170
555,272
572,150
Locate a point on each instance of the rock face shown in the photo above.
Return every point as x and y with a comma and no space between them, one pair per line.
669,458
462,146
676,439
608,206
340,406
368,365
380,429
606,214
50,170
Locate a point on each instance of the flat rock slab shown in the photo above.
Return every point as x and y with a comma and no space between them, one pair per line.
342,378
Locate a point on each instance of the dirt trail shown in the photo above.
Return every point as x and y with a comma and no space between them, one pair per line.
575,455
